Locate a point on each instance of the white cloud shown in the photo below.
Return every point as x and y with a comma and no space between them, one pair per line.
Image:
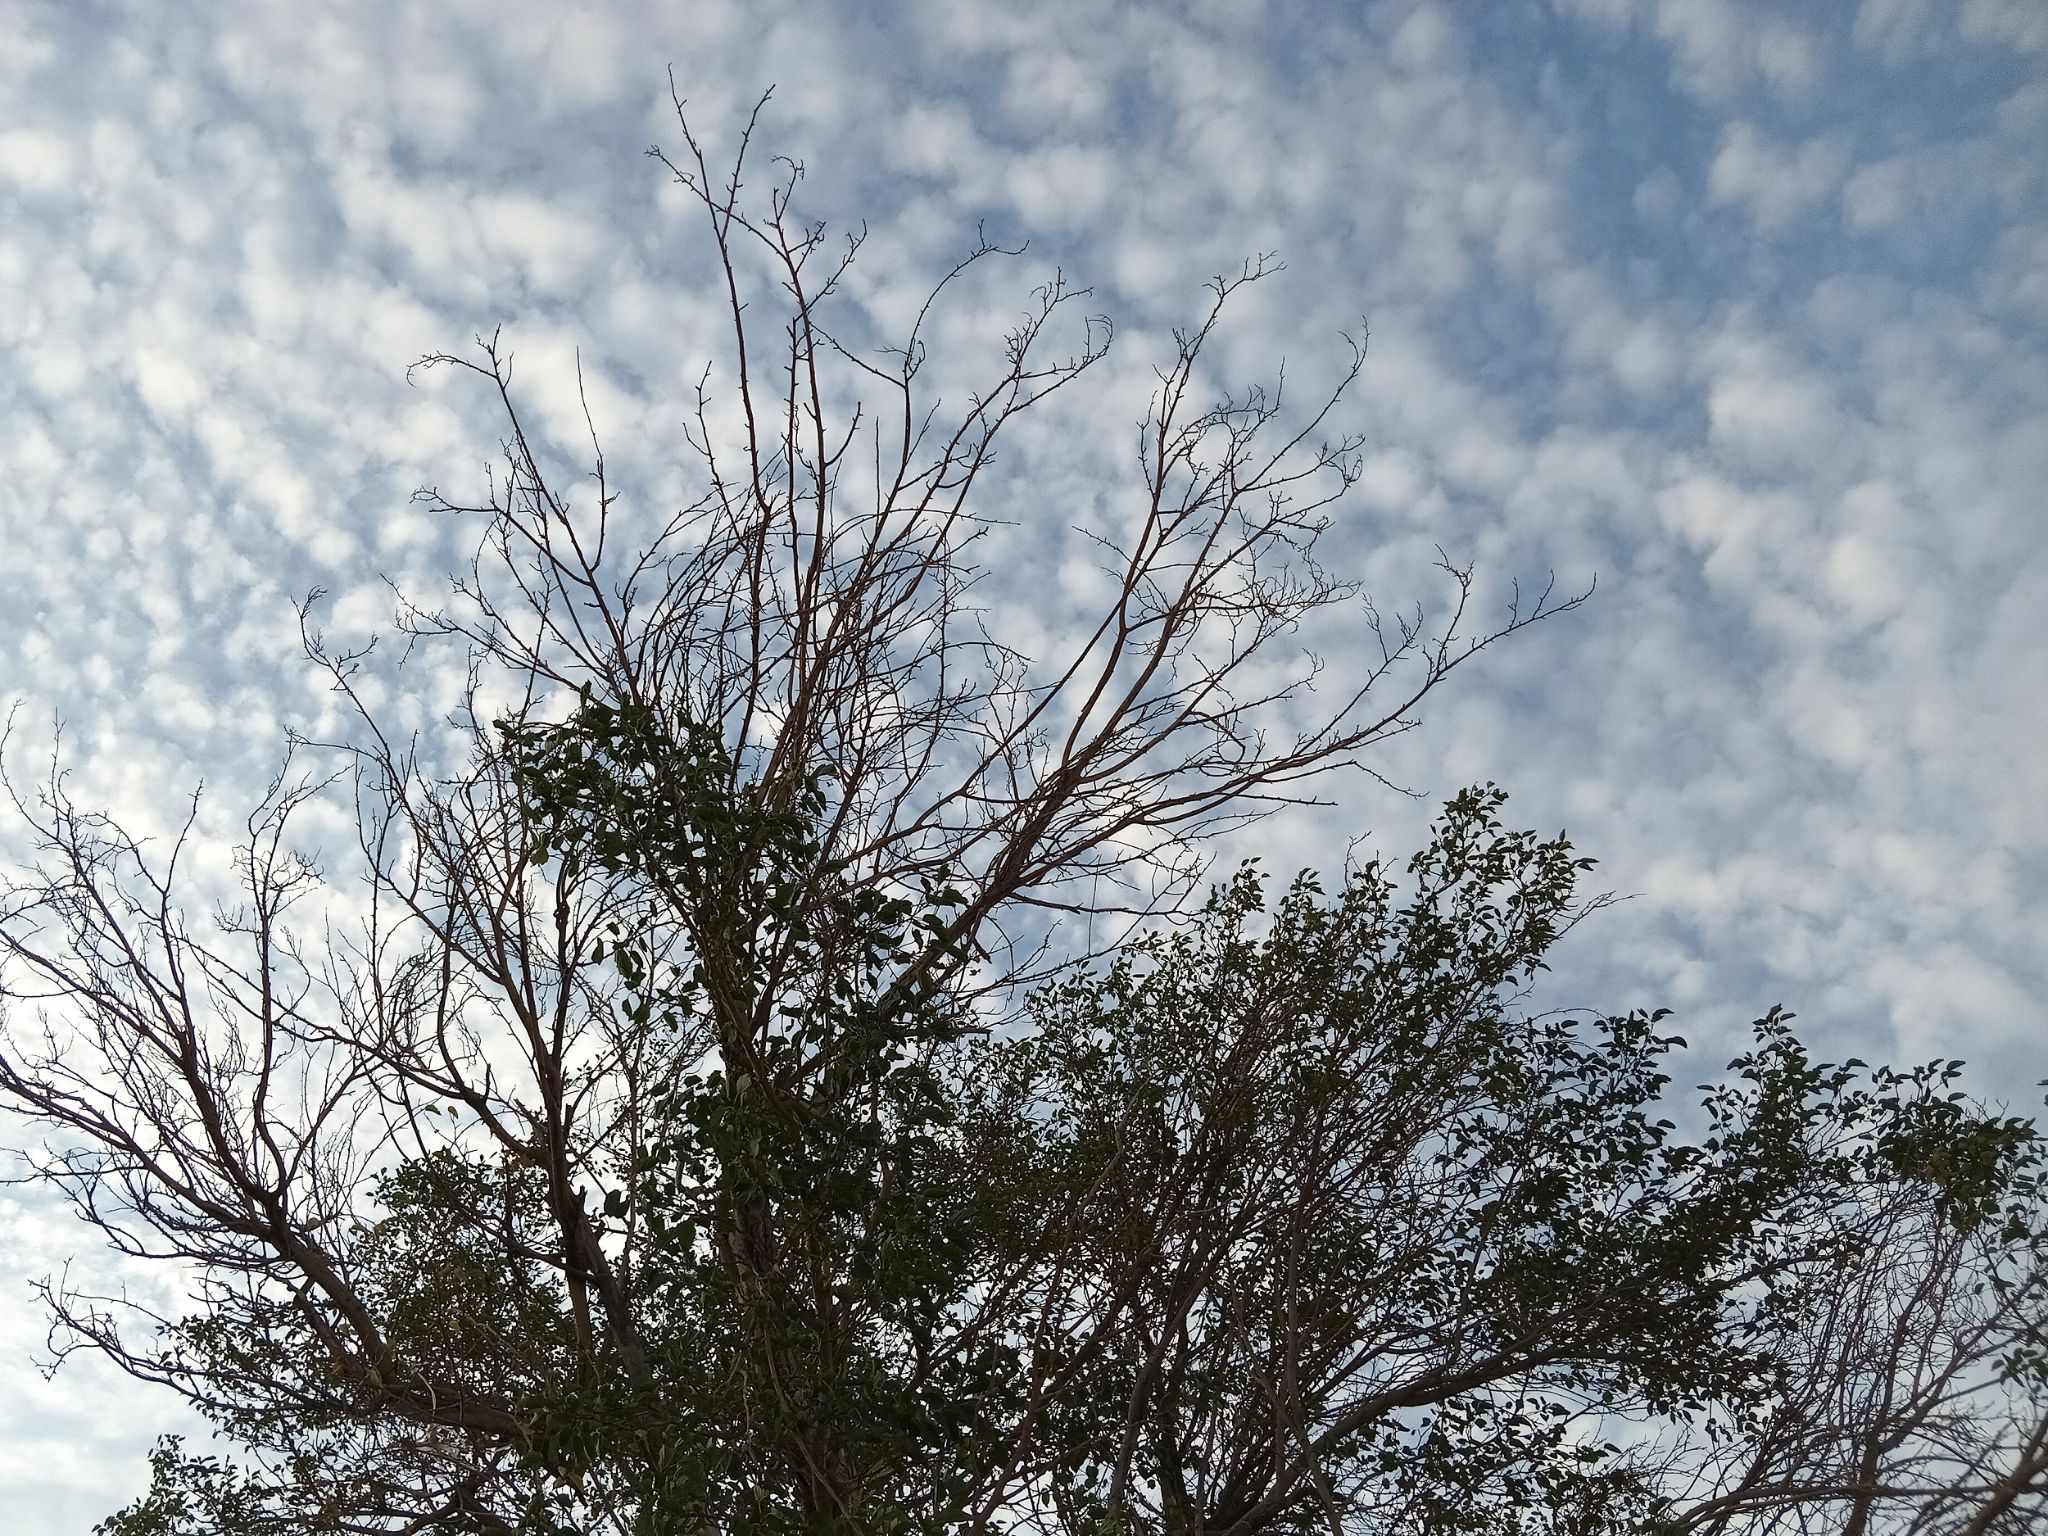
1775,183
169,386
1799,719
1897,28
1057,85
35,161
1871,565
1720,45
2017,281
2014,23
1763,407
1787,58
1061,188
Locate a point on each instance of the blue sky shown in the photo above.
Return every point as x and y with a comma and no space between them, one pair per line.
1739,306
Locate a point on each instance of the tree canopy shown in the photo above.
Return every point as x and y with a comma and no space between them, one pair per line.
723,1116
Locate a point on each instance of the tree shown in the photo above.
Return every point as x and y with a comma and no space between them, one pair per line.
717,1121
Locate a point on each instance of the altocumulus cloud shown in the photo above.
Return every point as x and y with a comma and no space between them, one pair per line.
1740,306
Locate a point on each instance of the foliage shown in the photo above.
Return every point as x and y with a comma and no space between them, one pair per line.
726,1119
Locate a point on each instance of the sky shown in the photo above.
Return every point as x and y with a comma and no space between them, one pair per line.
1737,307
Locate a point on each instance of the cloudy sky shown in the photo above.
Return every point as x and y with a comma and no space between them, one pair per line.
1738,306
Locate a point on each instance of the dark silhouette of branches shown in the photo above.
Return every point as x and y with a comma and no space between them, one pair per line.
705,1114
